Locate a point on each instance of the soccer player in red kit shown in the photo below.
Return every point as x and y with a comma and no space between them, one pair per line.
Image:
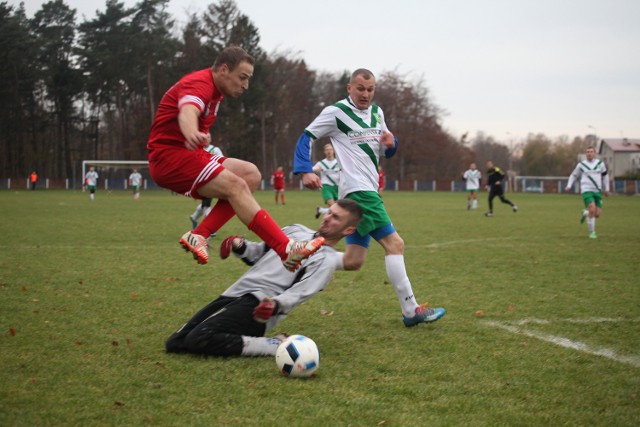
382,180
277,180
177,160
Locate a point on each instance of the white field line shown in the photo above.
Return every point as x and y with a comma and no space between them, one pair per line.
632,360
578,321
457,242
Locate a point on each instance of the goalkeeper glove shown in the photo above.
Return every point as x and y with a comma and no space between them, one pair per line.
265,310
232,243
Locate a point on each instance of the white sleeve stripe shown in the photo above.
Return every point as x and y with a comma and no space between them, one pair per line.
190,99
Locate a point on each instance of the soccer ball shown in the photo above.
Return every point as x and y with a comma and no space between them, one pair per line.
298,357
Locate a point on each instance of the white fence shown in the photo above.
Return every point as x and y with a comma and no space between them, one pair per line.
519,184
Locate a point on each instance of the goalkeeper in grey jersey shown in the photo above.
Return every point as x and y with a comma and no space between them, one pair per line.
235,323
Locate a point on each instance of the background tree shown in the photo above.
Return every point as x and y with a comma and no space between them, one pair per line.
89,90
54,28
20,112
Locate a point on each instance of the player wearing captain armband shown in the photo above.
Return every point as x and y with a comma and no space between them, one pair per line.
360,136
594,182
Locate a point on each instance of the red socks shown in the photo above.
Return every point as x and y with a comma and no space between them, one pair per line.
267,229
221,213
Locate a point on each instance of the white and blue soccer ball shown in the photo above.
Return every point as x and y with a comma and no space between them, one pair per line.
298,357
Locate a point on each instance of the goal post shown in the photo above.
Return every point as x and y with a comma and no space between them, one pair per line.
114,174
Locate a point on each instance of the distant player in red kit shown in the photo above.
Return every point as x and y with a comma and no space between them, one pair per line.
382,180
177,160
277,181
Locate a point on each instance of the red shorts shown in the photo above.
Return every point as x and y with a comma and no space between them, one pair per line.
181,170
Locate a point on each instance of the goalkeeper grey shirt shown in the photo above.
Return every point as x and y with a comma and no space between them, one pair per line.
268,278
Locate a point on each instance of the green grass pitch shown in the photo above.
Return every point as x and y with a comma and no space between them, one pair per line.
542,323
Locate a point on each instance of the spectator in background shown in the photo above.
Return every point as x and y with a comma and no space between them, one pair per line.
33,180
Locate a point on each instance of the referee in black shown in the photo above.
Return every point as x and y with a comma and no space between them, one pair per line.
495,177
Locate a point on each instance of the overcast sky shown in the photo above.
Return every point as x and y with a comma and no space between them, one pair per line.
504,67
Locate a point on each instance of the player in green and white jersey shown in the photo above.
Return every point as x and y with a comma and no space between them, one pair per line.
594,182
135,180
360,136
91,179
472,177
329,170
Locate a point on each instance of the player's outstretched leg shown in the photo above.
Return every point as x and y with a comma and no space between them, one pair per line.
197,245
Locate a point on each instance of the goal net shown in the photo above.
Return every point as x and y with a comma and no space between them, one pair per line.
114,174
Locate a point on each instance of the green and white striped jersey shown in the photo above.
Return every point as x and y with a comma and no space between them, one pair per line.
135,178
472,179
329,171
355,135
212,149
592,176
92,178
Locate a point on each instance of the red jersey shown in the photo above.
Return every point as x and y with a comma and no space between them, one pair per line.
197,89
381,179
278,180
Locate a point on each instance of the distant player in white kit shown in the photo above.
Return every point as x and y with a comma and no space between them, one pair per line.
91,179
472,177
329,170
135,181
594,182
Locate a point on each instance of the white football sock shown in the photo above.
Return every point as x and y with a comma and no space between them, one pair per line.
397,273
207,210
197,213
323,211
259,346
474,205
591,222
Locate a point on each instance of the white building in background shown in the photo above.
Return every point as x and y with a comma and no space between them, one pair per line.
622,156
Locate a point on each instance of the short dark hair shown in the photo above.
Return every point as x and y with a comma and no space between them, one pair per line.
354,209
232,56
366,74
